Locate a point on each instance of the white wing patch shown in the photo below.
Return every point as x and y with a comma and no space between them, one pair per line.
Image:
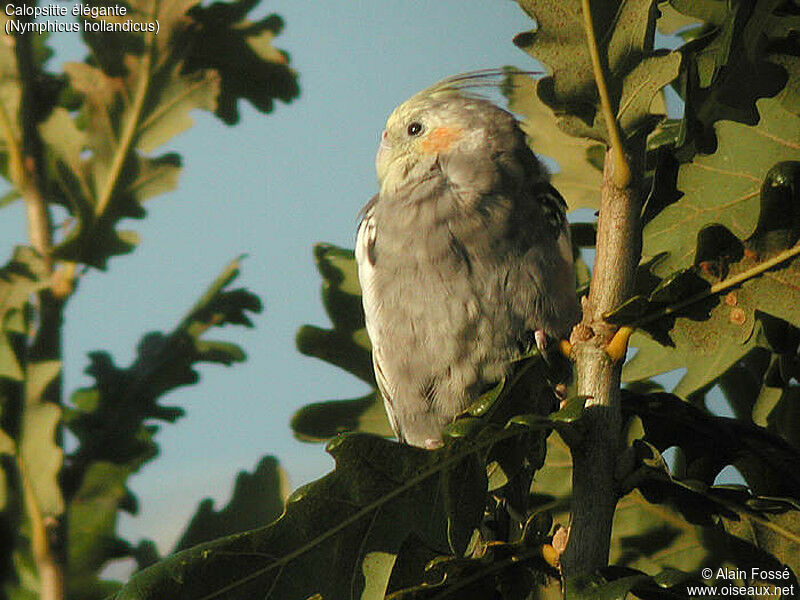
383,388
366,259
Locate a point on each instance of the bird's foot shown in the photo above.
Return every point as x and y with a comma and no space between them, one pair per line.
433,444
560,390
541,339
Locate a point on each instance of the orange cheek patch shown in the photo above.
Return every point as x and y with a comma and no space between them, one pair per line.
440,139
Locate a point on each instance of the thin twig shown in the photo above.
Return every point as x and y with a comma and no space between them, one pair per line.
26,154
28,177
130,129
13,148
622,171
720,286
51,574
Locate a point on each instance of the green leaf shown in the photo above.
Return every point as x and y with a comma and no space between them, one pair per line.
39,454
723,188
733,327
502,570
64,143
135,94
634,73
323,420
645,536
776,533
709,443
91,537
464,494
347,344
116,177
21,277
671,20
729,65
706,348
36,420
790,96
597,587
164,362
336,532
112,422
780,409
181,95
651,537
258,498
761,531
638,106
30,419
578,179
241,52
554,479
711,335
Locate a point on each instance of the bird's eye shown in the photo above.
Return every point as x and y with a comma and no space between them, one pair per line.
415,128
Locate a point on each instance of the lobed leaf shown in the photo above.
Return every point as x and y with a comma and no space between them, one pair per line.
734,59
112,422
721,329
322,421
511,569
241,52
339,535
347,344
136,93
759,531
30,421
634,73
709,443
257,499
21,277
723,188
578,178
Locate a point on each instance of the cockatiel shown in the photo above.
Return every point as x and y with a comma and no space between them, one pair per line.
464,256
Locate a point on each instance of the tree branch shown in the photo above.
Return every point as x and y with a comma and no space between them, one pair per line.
598,371
720,286
622,172
127,141
51,575
47,530
598,376
30,177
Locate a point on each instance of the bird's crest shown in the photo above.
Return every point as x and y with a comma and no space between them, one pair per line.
472,83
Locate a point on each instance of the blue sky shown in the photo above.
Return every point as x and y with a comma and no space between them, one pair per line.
270,187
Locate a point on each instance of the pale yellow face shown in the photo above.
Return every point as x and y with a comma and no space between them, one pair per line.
450,132
416,133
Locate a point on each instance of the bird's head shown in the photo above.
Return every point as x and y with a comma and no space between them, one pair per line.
440,126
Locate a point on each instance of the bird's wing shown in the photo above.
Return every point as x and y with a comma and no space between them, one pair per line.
366,257
383,388
555,212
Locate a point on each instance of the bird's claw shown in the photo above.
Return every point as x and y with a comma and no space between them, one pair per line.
541,339
433,444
